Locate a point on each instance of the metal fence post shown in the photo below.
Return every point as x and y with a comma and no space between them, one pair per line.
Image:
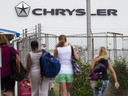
39,35
23,48
109,53
92,47
89,52
47,42
26,45
36,32
0,69
29,44
18,49
115,46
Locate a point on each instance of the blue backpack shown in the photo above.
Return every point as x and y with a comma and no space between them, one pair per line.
50,66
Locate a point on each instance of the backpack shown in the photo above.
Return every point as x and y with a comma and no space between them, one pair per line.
17,71
96,75
97,71
50,66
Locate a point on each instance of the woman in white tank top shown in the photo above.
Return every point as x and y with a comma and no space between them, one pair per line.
33,66
65,76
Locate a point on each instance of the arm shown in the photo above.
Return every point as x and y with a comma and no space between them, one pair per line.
114,74
28,64
93,64
18,58
75,54
55,53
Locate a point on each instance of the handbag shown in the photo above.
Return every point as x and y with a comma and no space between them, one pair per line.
97,71
76,69
17,70
95,75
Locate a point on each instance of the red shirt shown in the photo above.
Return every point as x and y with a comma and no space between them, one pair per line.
6,58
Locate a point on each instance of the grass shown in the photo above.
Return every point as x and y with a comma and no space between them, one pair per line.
56,89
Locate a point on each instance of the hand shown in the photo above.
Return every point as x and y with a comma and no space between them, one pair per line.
117,85
25,83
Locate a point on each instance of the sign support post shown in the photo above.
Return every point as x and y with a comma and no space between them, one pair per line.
89,51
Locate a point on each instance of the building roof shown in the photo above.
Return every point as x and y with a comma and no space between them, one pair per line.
9,33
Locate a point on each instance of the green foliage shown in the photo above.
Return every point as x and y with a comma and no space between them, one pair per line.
79,87
122,75
81,52
51,93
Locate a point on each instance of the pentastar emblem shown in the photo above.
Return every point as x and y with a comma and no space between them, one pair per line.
22,9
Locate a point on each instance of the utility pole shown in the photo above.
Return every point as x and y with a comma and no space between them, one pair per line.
88,11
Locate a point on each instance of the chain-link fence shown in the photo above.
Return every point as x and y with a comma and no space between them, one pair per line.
116,44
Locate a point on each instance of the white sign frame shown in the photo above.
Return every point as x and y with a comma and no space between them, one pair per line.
0,69
0,58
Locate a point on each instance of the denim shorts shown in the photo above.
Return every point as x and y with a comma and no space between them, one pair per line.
103,88
68,78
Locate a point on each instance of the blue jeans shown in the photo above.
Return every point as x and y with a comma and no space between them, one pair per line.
103,88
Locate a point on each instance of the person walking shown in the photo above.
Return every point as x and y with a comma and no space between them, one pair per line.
102,57
64,54
39,87
7,83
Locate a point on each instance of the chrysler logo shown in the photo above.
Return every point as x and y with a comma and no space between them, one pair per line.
22,9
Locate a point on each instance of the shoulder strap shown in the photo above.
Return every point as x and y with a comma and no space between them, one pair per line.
11,49
43,51
72,51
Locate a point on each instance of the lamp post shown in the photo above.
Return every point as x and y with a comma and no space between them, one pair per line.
88,11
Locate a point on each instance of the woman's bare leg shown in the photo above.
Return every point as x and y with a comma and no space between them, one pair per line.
68,85
9,93
2,91
63,89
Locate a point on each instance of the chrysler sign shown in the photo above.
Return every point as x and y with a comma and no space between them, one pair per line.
22,10
78,12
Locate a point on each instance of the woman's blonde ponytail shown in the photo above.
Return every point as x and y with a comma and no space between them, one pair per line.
102,53
62,40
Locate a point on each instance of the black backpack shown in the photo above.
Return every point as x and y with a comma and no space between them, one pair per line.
17,71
